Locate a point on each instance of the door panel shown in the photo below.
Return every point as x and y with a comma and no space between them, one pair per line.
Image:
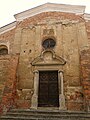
48,94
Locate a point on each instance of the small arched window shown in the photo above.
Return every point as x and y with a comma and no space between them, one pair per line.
49,43
3,50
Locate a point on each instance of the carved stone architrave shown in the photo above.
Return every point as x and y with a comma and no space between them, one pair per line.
49,60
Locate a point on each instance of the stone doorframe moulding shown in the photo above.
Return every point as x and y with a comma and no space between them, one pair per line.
34,102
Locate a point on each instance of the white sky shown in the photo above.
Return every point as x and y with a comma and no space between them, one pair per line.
10,7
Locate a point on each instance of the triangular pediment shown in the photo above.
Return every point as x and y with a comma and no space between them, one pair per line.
50,7
48,58
47,7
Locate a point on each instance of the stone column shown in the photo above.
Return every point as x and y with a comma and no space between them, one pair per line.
61,92
34,102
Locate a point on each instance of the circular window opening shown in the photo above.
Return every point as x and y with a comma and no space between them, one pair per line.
49,43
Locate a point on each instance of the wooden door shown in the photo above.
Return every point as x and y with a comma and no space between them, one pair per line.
48,94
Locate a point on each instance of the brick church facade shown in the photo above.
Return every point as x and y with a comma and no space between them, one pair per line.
45,59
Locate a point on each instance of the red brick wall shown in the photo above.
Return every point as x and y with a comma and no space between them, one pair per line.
85,74
8,86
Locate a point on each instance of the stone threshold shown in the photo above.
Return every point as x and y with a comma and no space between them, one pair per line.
48,108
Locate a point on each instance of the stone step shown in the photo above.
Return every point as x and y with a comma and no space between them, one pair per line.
28,114
23,118
45,118
48,112
49,115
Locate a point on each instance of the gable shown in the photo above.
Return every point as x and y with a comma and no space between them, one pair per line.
45,8
50,7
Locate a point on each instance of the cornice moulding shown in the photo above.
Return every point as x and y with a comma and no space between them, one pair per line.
49,7
87,16
8,27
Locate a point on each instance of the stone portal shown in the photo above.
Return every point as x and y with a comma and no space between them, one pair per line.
48,81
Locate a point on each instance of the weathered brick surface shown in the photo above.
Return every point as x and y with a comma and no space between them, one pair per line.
9,85
75,106
49,15
26,39
9,35
7,39
74,99
85,72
